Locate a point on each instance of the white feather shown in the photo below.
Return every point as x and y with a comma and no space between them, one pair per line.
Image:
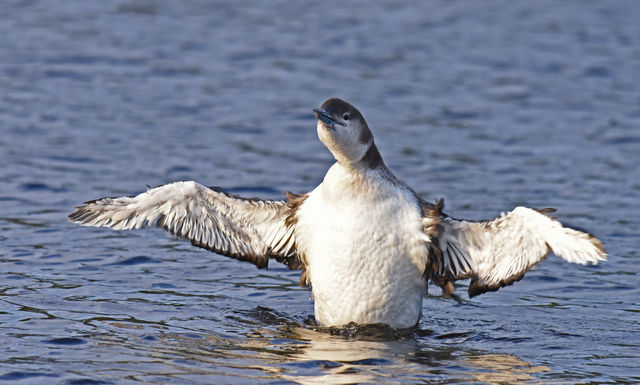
498,251
213,219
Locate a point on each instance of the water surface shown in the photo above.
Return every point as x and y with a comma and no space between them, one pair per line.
487,104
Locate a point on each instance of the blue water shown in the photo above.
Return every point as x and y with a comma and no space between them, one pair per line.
488,104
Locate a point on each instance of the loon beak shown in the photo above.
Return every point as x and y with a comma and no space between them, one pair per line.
325,118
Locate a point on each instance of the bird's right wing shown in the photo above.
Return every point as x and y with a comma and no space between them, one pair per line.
498,252
246,229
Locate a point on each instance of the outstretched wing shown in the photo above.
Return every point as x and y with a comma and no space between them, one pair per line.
246,229
498,252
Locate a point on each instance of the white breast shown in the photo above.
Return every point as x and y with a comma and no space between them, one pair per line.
365,249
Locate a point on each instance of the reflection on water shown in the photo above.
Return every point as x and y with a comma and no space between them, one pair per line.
503,369
305,355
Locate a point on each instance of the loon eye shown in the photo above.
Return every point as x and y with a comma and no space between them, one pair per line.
345,116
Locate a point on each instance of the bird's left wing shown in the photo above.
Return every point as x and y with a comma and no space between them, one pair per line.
246,229
498,252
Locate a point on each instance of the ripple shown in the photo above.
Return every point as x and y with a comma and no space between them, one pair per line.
622,139
457,335
19,376
66,341
23,222
39,186
141,259
370,362
72,159
163,285
88,381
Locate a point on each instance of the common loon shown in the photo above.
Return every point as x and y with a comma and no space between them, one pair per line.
366,242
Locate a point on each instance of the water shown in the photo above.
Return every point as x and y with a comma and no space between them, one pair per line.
487,104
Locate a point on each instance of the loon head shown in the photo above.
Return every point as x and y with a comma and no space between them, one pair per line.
346,134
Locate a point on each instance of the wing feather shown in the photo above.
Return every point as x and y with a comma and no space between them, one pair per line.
498,252
246,229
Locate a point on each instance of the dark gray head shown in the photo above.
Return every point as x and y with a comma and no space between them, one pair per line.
344,131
